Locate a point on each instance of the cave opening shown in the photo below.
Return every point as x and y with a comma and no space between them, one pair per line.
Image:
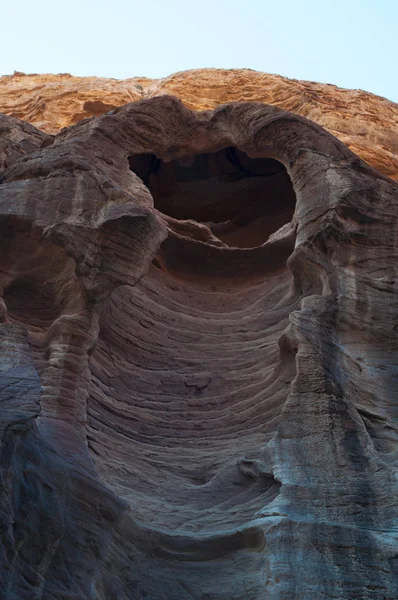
242,200
35,275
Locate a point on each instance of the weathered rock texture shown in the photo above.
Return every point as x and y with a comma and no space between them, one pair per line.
198,374
366,123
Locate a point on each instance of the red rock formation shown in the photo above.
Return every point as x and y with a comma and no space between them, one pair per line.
366,123
198,373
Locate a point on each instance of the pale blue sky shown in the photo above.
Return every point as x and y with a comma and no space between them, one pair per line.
351,43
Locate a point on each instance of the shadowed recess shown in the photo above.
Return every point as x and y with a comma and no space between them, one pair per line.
242,200
36,275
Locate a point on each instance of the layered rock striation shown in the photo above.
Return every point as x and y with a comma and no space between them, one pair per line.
198,376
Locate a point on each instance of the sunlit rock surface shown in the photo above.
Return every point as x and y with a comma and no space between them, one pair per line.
199,359
366,123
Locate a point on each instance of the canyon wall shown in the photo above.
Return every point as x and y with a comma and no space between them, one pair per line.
198,382
366,123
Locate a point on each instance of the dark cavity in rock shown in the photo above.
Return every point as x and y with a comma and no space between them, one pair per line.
242,200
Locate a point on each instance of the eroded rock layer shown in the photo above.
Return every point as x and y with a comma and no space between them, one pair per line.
366,123
198,376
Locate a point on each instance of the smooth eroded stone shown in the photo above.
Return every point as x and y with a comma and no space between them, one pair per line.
198,375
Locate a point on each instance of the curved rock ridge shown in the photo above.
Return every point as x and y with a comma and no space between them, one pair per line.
366,123
199,359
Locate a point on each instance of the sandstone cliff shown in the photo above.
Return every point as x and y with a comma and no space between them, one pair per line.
198,379
366,123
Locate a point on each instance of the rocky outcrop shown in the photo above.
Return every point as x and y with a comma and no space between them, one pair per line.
198,378
366,123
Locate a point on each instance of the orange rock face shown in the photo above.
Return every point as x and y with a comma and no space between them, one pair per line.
366,123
